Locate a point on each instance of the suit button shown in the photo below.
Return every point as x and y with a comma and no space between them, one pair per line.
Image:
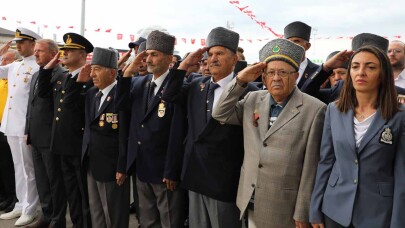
63,91
253,185
59,109
57,118
139,142
264,144
61,100
356,162
82,128
260,165
355,181
142,126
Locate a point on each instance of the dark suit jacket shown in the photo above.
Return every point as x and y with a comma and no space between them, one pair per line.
309,70
38,125
68,119
155,143
100,140
214,152
313,84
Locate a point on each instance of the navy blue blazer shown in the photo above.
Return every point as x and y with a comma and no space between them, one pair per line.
364,186
100,139
155,143
309,70
213,152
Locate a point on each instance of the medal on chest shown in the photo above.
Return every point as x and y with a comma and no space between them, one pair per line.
161,109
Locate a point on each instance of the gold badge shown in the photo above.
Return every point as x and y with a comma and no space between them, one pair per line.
25,80
68,40
386,136
109,117
114,118
114,126
101,123
161,110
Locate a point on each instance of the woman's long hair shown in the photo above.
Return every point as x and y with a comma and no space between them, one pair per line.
387,94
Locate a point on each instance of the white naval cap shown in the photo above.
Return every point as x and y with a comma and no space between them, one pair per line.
24,33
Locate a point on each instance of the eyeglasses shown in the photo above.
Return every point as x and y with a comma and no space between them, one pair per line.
394,51
280,73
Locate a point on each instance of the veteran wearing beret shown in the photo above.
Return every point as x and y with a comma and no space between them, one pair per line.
68,120
19,75
214,151
156,134
282,132
103,161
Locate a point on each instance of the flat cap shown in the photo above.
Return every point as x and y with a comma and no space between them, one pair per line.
364,39
223,37
76,41
160,41
282,50
25,34
105,57
297,29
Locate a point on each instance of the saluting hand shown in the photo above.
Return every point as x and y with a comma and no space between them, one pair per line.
120,177
84,75
192,59
299,224
53,63
5,48
250,73
170,184
134,65
125,57
337,60
318,226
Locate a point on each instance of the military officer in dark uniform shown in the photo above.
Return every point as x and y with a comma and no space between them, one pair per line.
300,33
106,166
38,128
214,151
155,142
68,121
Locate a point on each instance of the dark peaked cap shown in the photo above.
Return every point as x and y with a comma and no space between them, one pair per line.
364,39
105,57
76,41
160,41
297,29
223,37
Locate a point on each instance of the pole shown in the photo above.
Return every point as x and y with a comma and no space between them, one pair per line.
83,15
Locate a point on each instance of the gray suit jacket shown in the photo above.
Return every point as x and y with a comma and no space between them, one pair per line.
280,162
366,185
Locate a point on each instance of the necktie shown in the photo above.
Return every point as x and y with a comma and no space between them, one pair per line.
210,99
151,94
99,94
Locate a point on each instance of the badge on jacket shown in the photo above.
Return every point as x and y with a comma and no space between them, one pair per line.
386,136
161,109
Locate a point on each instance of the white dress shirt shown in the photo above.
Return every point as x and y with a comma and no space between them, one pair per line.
301,71
222,84
400,80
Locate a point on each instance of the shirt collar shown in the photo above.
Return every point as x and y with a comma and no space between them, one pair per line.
274,103
223,82
107,89
401,75
73,73
304,64
159,81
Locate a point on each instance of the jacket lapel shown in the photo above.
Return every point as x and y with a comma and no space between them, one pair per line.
156,99
347,123
288,113
34,91
201,98
372,130
263,109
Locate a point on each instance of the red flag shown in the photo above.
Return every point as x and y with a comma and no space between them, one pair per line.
242,8
132,37
45,26
192,41
351,37
202,42
234,2
119,36
184,40
108,30
240,39
251,15
340,37
399,37
71,26
97,30
33,22
4,18
248,11
57,27
250,40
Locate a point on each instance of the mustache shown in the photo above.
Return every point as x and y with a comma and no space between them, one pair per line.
216,63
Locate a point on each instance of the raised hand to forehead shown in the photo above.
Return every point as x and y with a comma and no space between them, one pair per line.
192,59
134,65
53,63
250,73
